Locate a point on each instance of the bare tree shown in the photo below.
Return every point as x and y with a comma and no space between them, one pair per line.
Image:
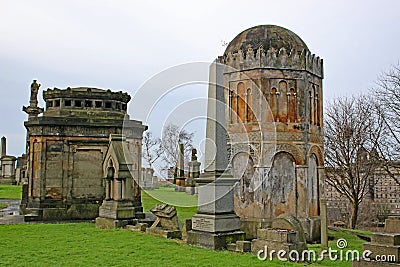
151,148
171,137
352,131
388,96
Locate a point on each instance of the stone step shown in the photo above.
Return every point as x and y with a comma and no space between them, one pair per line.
31,217
139,227
379,249
278,235
243,246
390,239
231,246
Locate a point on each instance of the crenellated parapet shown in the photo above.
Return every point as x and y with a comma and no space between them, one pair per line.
274,59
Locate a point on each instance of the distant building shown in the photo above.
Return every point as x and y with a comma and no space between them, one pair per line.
381,200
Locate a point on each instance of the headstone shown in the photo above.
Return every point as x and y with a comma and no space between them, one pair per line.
167,223
194,173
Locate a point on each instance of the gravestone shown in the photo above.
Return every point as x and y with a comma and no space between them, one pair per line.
167,224
194,173
180,170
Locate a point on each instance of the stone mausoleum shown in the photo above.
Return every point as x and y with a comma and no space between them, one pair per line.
273,95
67,146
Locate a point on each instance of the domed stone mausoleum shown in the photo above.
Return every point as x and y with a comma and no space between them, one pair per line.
273,95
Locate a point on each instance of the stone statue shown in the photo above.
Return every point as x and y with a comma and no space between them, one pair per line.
34,90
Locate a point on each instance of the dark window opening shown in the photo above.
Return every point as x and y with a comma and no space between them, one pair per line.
88,103
98,104
118,106
67,103
49,104
78,103
108,105
124,107
57,103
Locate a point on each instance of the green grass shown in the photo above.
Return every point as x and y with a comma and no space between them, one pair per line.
3,205
84,245
353,243
186,205
10,191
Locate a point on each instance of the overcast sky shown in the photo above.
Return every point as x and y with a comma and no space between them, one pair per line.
121,44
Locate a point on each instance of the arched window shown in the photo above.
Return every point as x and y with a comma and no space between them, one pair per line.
241,102
249,107
282,111
230,112
272,102
234,107
292,105
311,106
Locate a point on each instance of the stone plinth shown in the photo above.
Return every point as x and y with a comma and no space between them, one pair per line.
118,213
158,231
108,223
215,225
392,224
277,239
384,246
215,241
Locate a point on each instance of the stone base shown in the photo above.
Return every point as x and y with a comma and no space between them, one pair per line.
120,209
239,246
392,224
87,211
250,226
8,180
190,190
215,241
372,263
157,231
277,239
108,223
180,189
216,223
139,227
382,249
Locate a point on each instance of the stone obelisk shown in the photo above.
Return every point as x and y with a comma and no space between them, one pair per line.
215,223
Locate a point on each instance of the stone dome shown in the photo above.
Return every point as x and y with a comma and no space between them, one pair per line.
267,36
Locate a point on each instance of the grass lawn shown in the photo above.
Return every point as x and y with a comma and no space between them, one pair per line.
81,244
10,191
3,205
